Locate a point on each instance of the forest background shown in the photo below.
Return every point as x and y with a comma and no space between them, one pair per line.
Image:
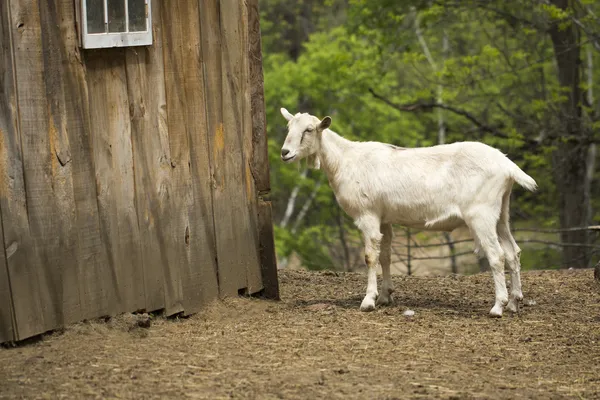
519,75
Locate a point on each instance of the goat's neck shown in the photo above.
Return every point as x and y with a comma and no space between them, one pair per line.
331,152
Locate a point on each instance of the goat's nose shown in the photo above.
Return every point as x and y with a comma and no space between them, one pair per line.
284,152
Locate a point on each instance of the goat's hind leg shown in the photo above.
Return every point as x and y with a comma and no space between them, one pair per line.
370,228
385,258
513,262
512,253
484,227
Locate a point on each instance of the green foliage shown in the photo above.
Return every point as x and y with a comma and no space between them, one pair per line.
309,245
492,60
540,258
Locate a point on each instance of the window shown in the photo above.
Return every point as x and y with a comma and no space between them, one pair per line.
115,23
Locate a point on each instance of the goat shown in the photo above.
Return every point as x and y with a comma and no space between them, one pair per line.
438,188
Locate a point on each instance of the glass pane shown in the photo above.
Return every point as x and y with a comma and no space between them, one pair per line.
95,16
137,15
116,15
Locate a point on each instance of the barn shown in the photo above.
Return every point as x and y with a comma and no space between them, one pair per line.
133,153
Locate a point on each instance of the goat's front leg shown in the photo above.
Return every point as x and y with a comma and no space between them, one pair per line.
385,258
372,236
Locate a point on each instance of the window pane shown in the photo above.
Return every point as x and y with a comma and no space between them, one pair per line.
137,15
116,15
95,16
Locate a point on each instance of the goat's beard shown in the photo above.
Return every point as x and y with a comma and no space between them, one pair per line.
313,161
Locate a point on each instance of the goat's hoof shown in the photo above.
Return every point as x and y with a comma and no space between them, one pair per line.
384,301
496,311
513,302
367,305
519,296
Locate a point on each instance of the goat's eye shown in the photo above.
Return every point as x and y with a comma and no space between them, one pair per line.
307,130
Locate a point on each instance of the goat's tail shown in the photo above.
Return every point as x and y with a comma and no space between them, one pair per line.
522,178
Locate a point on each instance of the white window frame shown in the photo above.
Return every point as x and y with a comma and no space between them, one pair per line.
115,39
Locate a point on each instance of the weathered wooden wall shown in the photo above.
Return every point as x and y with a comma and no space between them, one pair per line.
130,178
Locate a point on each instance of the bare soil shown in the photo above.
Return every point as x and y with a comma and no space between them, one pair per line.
315,344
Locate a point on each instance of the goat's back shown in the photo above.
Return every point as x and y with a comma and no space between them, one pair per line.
422,184
468,157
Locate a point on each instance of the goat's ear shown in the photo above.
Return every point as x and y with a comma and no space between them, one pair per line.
325,123
286,114
314,161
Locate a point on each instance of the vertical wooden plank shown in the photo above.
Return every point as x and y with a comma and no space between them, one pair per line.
151,157
236,250
69,113
37,276
268,259
12,186
260,158
7,332
113,161
186,105
254,267
232,215
230,278
211,64
64,120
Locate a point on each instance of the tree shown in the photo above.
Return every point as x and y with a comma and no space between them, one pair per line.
570,159
508,73
568,138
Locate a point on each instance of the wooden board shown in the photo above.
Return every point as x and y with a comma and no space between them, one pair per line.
233,214
230,278
268,259
82,253
110,129
7,329
186,105
10,164
260,159
149,136
224,107
254,267
69,111
37,235
211,62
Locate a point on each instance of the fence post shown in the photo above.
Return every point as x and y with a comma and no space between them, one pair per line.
408,266
452,253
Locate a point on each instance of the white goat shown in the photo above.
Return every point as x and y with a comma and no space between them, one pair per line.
437,188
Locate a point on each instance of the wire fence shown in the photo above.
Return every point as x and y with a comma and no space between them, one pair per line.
427,252
408,251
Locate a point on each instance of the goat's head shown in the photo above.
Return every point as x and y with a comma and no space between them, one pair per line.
303,138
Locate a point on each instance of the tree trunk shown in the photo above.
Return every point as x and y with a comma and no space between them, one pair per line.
291,204
484,265
305,207
570,163
343,242
570,158
591,161
440,112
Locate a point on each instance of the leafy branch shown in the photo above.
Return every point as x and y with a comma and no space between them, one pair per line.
431,105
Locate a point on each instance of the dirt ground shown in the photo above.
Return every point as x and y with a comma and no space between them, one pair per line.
316,344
